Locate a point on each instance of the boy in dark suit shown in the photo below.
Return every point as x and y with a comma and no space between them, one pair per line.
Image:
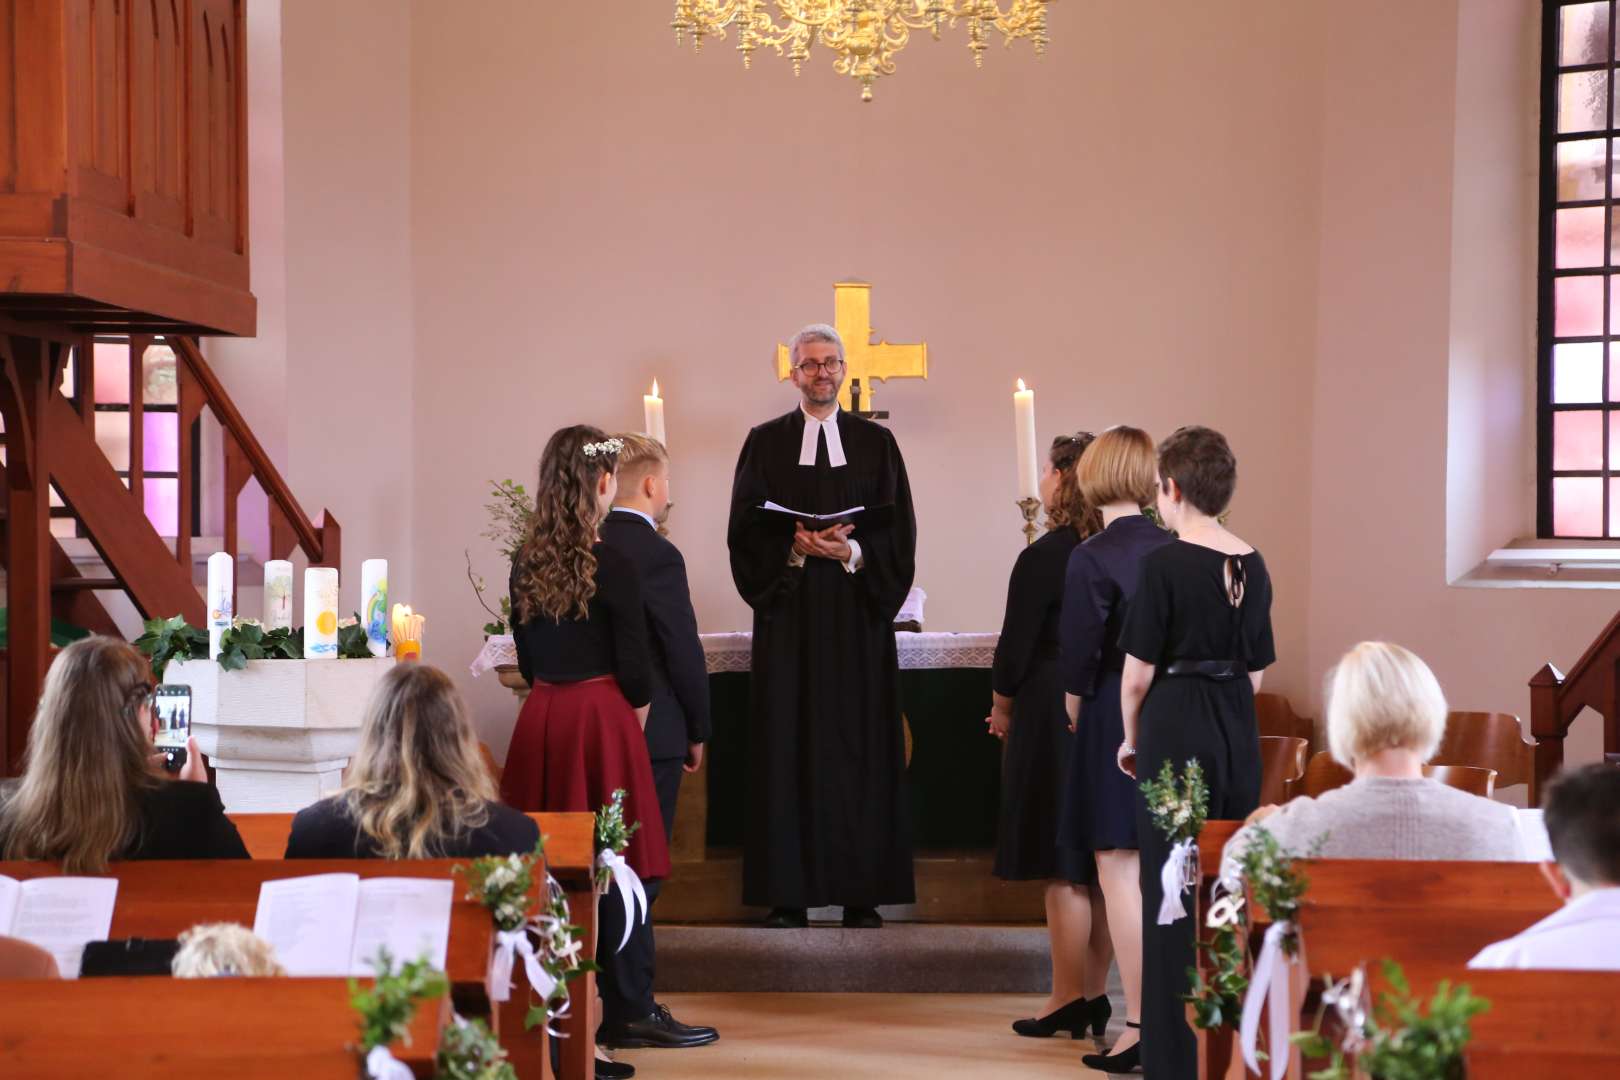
677,728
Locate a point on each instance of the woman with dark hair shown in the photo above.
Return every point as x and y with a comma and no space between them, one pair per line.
581,637
1027,715
1197,639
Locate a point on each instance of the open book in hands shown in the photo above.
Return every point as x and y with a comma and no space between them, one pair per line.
861,517
333,924
59,914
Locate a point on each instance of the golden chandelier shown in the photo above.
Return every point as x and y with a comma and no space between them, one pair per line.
865,35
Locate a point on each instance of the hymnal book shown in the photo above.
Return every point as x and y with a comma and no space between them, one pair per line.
1533,835
862,517
333,924
59,914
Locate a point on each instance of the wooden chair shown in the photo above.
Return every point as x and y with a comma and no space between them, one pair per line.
1276,716
1467,778
1323,774
1282,765
1488,741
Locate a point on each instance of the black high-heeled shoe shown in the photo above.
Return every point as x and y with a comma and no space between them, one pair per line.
1126,1061
1098,1011
1072,1018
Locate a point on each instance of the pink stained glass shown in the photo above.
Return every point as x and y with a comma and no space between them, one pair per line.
162,449
1578,372
1583,33
1577,307
1614,508
162,499
1578,440
112,435
1582,168
1614,442
1583,100
1577,506
112,374
1578,237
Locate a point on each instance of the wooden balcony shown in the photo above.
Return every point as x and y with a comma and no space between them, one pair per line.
123,166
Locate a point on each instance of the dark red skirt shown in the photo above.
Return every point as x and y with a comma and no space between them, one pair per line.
574,745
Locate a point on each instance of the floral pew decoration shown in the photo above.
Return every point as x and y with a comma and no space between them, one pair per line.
612,837
467,1049
1396,1041
1277,884
1178,807
548,942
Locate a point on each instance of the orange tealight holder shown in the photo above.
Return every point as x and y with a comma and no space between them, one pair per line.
407,633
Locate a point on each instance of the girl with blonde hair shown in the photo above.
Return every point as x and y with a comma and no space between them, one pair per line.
92,788
417,787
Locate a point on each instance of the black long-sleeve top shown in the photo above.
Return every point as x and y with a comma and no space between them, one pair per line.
1029,629
611,641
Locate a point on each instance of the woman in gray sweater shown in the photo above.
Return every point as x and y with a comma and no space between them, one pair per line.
1385,717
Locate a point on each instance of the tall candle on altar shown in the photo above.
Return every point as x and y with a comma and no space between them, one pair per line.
1029,470
374,604
320,613
278,594
221,578
653,408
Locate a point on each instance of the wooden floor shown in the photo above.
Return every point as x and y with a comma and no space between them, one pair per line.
830,1036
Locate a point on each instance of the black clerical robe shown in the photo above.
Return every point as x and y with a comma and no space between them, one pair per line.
827,819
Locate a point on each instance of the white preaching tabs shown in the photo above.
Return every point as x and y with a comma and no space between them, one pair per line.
835,445
59,914
333,924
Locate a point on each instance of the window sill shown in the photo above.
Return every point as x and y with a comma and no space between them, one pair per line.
1548,564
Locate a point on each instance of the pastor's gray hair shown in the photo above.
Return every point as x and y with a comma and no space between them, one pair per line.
814,332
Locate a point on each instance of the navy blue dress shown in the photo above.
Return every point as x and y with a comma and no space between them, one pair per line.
1036,751
1099,807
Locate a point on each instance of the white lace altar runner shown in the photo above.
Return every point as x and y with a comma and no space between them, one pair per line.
732,652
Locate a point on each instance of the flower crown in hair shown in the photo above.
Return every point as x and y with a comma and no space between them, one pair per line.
611,446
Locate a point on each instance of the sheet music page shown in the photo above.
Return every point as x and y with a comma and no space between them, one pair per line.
309,921
1533,835
63,914
10,897
410,916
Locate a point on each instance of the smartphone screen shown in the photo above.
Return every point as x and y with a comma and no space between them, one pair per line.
173,723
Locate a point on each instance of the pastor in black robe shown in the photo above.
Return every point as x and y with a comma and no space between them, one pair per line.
827,818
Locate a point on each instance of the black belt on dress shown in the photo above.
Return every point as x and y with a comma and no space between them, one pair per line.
1216,670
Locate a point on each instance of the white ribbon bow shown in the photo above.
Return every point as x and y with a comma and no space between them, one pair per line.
1172,880
381,1064
630,890
509,944
1268,988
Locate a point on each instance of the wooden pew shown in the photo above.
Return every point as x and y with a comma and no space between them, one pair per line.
1563,1024
571,856
192,1029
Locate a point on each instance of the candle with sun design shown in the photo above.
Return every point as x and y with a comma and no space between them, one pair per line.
320,613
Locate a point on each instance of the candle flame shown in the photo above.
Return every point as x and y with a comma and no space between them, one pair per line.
1021,386
655,388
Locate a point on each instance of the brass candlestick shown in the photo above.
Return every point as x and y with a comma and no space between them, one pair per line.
1030,508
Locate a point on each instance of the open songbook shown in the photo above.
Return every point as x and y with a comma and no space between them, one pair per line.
861,517
59,914
333,924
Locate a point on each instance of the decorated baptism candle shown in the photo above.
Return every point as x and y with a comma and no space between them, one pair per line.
374,604
320,613
221,573
278,594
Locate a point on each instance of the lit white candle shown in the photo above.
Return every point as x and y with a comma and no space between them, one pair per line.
653,407
320,613
278,594
221,606
374,604
1029,470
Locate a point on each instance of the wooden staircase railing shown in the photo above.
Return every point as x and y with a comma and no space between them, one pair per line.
50,442
1557,699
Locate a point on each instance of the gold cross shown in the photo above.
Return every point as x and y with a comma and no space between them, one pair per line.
852,317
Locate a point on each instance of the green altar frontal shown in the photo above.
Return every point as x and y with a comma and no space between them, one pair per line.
954,772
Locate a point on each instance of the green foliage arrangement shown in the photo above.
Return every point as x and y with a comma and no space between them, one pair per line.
468,1050
509,519
386,1006
1178,807
249,640
1400,1040
1277,884
502,883
1217,999
168,640
612,834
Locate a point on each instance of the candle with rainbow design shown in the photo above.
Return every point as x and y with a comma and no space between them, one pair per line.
374,604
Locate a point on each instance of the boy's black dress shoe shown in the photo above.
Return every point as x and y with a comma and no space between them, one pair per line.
787,918
862,918
657,1029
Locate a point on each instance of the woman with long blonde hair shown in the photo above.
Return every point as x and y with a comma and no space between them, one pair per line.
417,787
92,788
